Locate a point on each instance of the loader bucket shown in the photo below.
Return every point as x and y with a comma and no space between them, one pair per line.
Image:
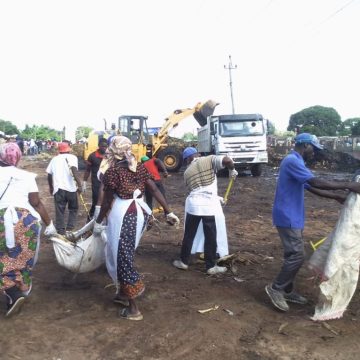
207,109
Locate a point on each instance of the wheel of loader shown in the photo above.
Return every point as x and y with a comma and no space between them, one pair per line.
172,158
256,170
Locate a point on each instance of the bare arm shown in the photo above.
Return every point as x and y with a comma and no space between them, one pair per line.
101,194
329,194
50,182
161,166
87,171
228,163
108,197
36,203
76,175
334,185
155,192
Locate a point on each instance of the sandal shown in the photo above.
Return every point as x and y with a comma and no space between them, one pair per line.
125,314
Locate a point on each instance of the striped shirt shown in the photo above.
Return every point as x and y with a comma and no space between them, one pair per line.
202,171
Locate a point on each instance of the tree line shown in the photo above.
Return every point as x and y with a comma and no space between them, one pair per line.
323,121
318,120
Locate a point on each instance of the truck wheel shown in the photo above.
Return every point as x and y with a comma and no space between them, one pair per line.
256,170
171,157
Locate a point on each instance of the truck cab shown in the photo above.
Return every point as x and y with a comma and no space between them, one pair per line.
239,136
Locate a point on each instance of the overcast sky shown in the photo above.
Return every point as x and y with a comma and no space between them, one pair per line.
75,62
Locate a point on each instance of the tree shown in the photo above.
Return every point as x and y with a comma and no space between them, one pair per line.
8,128
40,133
355,130
345,128
317,120
271,128
188,137
82,131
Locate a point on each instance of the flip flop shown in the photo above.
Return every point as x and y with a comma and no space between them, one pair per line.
125,314
15,307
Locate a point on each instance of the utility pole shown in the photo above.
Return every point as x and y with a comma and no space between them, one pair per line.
231,67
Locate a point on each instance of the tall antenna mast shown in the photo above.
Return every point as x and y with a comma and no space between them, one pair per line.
231,67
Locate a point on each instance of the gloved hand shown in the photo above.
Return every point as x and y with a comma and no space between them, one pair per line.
97,211
50,230
172,219
233,174
98,228
84,186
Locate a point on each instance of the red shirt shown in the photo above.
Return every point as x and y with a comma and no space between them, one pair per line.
153,169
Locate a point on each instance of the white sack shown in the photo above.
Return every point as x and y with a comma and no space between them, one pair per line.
83,256
337,262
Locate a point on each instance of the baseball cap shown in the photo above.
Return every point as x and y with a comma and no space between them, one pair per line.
144,158
306,138
63,147
188,152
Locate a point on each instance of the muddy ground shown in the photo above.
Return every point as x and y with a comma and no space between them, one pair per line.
72,317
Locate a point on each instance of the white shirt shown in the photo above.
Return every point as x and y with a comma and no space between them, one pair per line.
21,184
60,171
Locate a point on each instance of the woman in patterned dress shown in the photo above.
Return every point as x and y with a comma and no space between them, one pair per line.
20,212
124,185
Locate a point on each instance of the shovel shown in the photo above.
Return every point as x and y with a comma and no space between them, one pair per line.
226,196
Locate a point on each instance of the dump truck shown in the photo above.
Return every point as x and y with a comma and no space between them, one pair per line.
152,143
239,136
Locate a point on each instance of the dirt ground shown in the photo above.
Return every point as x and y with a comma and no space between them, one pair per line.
72,317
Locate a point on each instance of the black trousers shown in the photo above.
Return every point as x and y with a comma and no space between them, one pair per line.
148,196
61,199
209,226
294,256
95,188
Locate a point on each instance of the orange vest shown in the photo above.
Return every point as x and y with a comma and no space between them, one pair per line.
153,169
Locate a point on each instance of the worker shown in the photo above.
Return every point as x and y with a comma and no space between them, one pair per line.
92,167
289,214
127,215
154,166
64,183
20,213
203,205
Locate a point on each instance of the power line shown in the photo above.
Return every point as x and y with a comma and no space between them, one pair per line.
337,11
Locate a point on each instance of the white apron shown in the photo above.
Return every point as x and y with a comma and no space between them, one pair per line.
208,195
115,219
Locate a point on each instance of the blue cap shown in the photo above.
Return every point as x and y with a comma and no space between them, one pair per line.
188,152
306,138
109,139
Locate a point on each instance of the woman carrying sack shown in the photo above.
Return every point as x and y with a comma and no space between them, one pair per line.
125,182
20,212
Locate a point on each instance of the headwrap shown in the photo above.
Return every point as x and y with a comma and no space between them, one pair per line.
10,153
120,149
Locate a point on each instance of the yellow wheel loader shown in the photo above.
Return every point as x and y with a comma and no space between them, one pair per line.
135,128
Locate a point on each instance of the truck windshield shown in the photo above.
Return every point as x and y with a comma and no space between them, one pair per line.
241,128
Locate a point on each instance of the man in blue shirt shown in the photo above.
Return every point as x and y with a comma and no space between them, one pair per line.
289,214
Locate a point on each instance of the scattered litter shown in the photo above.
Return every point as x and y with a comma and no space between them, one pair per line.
282,327
238,279
229,312
268,258
109,285
327,326
208,310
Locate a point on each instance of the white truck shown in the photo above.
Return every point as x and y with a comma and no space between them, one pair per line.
240,136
